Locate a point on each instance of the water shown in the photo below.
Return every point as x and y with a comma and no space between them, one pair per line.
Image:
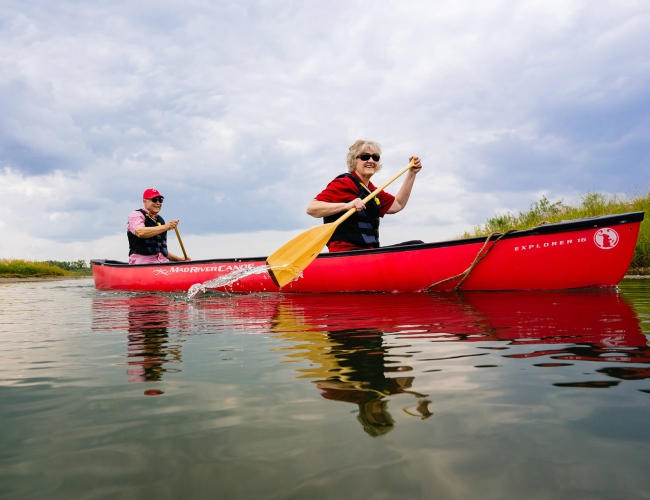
477,395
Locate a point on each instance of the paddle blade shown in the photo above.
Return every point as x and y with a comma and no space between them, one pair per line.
288,261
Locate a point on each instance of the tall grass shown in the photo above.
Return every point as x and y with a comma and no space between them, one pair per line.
27,268
589,205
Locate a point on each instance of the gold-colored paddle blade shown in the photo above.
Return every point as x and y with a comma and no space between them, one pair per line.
288,261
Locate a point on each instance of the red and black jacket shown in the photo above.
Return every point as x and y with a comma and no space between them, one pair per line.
362,228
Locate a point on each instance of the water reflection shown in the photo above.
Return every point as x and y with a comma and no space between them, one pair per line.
148,345
601,318
370,349
357,346
349,365
149,348
596,326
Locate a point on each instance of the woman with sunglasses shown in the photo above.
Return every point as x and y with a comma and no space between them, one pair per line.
361,231
147,232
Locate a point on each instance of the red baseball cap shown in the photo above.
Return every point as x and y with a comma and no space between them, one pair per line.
151,193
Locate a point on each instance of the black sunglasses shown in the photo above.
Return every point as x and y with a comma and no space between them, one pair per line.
366,156
159,199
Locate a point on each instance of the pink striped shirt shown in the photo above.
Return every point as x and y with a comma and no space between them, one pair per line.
136,220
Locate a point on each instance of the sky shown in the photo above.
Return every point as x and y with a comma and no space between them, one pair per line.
240,113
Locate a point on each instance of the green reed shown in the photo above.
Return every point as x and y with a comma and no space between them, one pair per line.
18,268
588,205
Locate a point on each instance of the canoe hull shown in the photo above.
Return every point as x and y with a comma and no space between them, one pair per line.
592,252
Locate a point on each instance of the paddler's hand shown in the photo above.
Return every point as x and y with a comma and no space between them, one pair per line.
172,224
417,166
357,204
176,258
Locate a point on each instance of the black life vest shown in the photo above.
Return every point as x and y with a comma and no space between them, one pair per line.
148,246
362,228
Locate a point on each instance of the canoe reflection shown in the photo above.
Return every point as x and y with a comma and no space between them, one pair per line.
344,338
596,326
369,349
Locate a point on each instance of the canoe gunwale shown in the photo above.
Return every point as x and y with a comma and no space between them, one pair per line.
558,227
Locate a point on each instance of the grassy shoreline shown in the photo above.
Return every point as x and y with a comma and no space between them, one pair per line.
35,279
21,269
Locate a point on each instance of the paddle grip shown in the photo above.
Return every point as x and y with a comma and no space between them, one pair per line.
373,194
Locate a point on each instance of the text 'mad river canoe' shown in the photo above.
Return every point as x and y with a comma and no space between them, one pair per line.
593,252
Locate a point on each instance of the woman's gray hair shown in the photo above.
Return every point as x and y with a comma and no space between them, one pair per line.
357,148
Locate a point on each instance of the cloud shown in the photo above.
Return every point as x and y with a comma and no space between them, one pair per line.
242,112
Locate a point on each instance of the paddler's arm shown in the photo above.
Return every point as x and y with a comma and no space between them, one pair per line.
149,232
320,209
402,197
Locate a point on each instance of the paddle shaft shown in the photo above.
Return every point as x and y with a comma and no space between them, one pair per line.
372,195
178,235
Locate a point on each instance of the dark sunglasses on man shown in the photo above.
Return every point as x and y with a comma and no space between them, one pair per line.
367,156
158,199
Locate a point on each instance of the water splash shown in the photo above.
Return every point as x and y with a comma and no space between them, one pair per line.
225,280
230,278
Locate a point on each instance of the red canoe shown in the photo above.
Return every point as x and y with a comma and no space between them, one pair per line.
593,252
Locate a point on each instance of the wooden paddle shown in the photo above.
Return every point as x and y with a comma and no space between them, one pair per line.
291,259
178,235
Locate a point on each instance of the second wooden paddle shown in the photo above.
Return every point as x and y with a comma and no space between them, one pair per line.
291,259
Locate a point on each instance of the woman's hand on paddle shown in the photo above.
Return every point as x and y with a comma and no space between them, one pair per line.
417,166
357,203
404,192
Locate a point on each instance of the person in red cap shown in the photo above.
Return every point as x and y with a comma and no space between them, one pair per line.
147,232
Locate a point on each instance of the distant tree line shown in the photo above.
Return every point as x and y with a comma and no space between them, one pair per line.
76,265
